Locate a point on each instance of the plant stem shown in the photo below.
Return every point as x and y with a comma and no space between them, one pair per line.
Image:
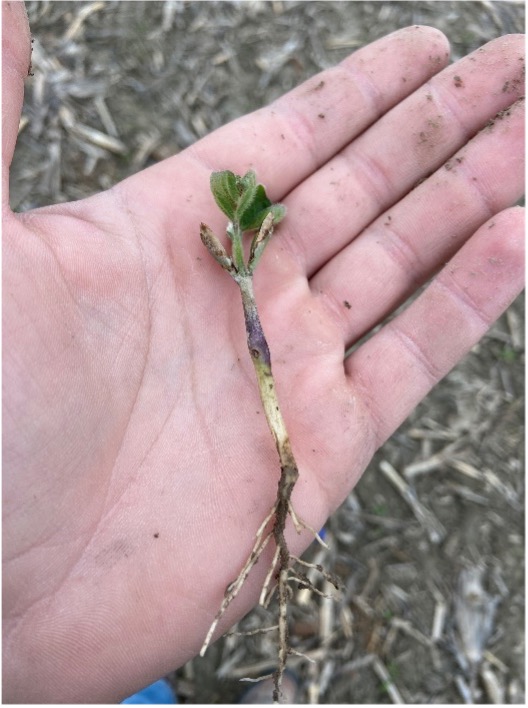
260,355
238,249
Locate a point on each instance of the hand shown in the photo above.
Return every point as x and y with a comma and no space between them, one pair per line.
137,460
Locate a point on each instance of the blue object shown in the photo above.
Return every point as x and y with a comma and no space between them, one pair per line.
158,692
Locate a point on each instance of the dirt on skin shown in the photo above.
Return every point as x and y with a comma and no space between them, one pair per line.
433,571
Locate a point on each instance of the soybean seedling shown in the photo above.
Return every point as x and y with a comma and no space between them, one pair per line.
249,210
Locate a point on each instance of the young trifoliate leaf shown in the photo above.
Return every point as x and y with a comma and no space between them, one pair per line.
224,186
254,212
243,200
246,204
248,181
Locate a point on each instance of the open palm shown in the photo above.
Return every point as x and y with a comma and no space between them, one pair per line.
137,460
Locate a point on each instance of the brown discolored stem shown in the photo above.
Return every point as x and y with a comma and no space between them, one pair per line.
260,355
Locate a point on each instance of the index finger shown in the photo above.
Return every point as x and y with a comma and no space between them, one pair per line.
289,139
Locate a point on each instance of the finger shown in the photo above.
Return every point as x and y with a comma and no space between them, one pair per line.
397,367
288,140
16,52
402,248
331,207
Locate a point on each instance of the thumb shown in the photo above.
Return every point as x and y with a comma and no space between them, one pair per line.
16,54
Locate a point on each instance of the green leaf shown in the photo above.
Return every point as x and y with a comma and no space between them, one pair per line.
248,181
246,205
243,200
224,186
254,212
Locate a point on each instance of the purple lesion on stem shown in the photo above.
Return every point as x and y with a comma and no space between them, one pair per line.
256,340
257,344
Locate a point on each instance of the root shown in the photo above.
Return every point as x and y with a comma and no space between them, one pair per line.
300,525
265,596
282,568
332,579
253,632
234,588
